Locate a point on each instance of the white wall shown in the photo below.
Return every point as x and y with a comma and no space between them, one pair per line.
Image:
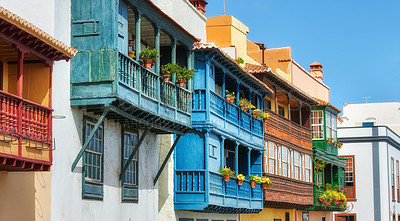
384,113
66,197
38,12
186,15
364,206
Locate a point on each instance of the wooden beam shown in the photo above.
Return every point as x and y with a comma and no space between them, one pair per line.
134,152
166,159
96,126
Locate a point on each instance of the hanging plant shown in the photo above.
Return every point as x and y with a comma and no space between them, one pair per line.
319,165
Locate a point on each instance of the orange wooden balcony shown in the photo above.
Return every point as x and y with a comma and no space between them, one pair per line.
288,193
287,130
25,134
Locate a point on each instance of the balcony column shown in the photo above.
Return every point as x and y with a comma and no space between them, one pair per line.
173,55
138,19
236,157
20,84
189,66
300,120
222,148
237,92
276,99
223,83
157,46
249,160
289,107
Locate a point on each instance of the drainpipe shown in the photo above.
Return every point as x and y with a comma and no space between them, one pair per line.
262,48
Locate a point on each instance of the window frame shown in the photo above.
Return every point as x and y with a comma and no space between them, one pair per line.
90,184
297,167
398,181
270,165
392,180
352,188
320,125
129,189
285,162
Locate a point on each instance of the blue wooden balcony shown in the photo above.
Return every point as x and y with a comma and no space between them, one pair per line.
104,77
198,192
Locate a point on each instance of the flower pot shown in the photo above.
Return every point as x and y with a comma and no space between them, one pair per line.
253,184
232,100
240,182
241,107
245,109
265,186
265,120
182,82
166,77
228,97
147,63
255,116
131,54
226,178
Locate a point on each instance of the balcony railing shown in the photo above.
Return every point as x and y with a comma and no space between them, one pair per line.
35,119
317,205
289,191
221,194
151,85
285,129
232,113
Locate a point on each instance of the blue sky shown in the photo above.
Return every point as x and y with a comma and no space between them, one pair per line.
357,42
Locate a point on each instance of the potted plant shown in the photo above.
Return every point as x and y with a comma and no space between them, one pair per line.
266,183
339,144
167,70
240,60
226,173
254,180
245,104
264,116
230,96
148,56
256,113
184,74
240,179
319,165
330,140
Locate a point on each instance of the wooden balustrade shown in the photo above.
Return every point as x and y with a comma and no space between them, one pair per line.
287,130
36,119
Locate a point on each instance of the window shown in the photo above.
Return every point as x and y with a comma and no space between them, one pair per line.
285,152
331,125
350,178
305,216
129,181
398,181
270,157
296,164
230,159
213,151
317,124
307,166
279,159
92,174
392,178
281,111
267,104
287,217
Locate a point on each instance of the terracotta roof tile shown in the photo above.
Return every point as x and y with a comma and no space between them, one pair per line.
212,46
36,32
258,69
322,102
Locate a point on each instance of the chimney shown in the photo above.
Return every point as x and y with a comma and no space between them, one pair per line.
199,5
316,70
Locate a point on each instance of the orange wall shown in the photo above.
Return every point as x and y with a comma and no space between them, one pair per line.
303,80
25,196
36,82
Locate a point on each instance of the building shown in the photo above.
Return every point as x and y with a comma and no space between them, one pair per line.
116,110
288,131
28,56
371,145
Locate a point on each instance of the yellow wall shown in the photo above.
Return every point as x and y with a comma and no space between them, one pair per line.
268,214
36,82
25,196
